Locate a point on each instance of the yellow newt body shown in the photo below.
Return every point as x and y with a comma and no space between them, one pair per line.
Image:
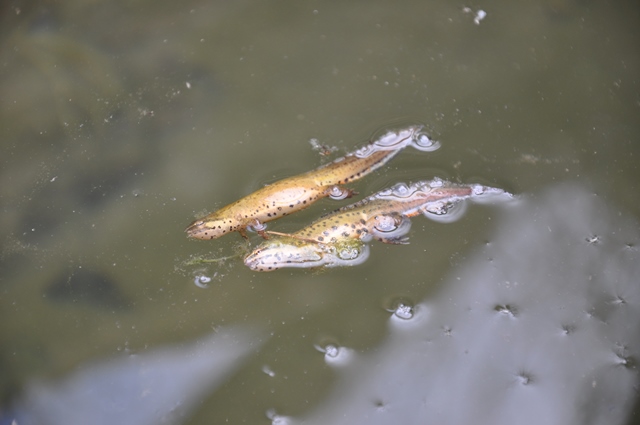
338,238
298,192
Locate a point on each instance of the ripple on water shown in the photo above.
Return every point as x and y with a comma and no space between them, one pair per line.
422,142
391,226
405,314
445,212
338,193
334,353
202,281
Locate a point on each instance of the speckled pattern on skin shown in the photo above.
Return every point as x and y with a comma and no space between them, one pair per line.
383,216
298,192
359,219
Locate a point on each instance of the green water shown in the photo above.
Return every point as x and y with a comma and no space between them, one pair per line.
122,121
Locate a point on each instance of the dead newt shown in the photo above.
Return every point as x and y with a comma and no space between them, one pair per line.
298,192
339,238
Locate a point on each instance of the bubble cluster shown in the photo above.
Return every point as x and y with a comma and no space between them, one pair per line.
202,281
424,143
334,354
403,311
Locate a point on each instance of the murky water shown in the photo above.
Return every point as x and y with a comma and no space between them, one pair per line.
122,122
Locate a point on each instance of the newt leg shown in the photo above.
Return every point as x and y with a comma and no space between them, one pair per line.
398,240
259,227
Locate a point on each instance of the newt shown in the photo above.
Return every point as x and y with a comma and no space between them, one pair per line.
340,237
298,192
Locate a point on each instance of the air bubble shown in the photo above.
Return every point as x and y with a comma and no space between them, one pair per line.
424,143
478,189
394,139
337,193
486,194
334,354
401,189
400,307
390,141
202,281
437,208
436,183
392,303
385,223
443,211
331,351
403,311
480,15
391,227
407,316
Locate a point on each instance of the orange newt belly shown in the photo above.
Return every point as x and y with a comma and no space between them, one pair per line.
298,192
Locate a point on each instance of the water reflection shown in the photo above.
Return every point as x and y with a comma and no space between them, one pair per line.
529,331
159,386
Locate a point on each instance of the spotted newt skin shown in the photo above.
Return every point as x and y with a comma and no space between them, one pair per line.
339,237
298,192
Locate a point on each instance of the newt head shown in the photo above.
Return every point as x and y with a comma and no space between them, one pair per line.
280,252
212,227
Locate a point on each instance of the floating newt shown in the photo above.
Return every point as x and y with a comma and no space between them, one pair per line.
339,237
298,192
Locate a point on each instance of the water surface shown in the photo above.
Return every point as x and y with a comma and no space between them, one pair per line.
122,122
